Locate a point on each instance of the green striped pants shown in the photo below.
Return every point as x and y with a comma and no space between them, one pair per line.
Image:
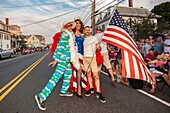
63,68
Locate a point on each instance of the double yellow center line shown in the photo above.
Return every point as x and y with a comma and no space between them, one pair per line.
14,82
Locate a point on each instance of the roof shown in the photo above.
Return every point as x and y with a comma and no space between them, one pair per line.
14,26
137,12
40,37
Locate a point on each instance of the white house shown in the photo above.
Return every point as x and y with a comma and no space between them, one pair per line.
36,41
5,36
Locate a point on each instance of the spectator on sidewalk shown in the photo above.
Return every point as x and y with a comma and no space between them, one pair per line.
146,47
158,45
167,43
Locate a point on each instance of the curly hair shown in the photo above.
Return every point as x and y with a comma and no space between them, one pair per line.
82,26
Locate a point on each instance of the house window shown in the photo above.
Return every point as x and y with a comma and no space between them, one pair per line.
32,38
103,27
108,11
7,46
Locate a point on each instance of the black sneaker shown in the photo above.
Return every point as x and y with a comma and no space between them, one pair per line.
89,92
40,103
101,97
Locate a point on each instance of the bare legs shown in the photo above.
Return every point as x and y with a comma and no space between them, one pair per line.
111,73
96,79
165,77
79,81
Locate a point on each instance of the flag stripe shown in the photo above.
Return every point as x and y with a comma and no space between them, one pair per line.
131,61
136,69
127,67
123,65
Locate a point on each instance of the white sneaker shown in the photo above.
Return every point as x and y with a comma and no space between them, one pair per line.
40,103
66,94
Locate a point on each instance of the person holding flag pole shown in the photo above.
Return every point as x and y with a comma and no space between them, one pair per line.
90,64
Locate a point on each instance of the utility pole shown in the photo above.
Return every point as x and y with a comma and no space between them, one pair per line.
93,16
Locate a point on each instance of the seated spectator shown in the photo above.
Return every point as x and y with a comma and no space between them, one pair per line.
150,56
162,68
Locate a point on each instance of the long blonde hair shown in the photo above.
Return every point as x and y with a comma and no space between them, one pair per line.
161,40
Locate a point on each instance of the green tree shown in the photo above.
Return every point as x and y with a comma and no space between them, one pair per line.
23,42
141,27
163,10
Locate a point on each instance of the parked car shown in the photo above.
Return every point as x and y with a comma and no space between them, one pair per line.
6,53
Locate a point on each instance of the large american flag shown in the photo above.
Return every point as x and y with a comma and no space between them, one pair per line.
117,34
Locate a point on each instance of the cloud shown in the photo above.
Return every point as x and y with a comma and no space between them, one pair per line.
27,15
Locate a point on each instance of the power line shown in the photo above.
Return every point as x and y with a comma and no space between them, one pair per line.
103,10
55,16
88,15
87,9
93,14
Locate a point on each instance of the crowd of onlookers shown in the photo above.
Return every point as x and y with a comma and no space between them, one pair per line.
155,52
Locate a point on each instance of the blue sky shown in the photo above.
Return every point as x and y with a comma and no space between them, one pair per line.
36,10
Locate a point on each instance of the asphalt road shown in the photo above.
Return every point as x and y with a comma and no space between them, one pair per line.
18,97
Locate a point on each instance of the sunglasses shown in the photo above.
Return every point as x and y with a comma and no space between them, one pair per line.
166,52
69,25
78,22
